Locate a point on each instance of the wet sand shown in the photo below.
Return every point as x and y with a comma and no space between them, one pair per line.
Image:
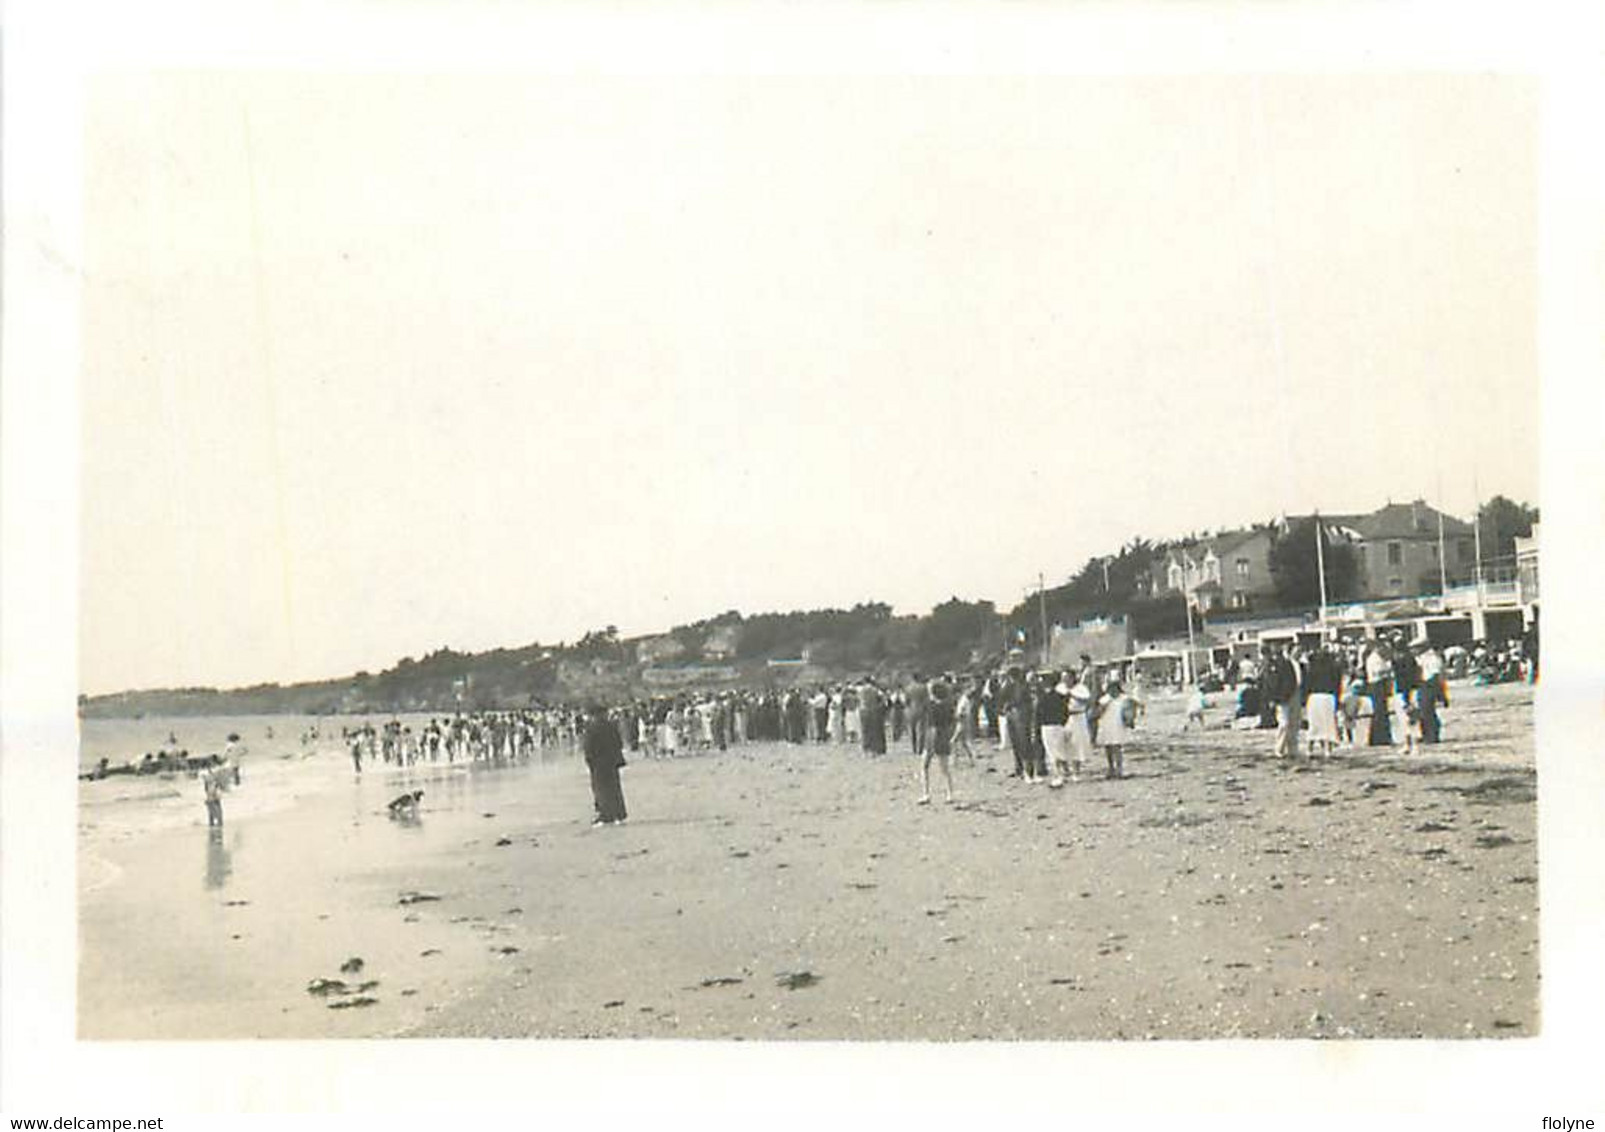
193,934
798,892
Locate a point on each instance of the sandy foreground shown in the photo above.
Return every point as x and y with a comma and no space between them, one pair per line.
799,892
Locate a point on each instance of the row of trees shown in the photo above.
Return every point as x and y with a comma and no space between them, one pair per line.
1501,522
864,638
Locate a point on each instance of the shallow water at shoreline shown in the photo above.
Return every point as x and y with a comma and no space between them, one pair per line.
225,928
279,769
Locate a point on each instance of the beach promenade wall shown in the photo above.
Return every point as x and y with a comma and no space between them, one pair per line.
1104,641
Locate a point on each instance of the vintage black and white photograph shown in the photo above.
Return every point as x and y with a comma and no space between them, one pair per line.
655,557
943,559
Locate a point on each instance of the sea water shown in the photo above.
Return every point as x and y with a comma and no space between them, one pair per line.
284,761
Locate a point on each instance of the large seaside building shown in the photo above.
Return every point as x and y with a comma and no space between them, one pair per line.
1397,547
1403,550
1231,570
1413,561
1527,568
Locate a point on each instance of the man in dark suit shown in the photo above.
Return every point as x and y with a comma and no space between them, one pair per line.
1281,683
604,755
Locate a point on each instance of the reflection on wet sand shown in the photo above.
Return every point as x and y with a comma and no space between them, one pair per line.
218,858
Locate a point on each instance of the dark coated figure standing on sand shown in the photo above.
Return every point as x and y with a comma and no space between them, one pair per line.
604,755
917,697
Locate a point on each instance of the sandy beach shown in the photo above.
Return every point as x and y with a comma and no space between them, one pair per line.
798,892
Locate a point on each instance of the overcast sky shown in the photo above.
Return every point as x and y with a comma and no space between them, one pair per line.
375,365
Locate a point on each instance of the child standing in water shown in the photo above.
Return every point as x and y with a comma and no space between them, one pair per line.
212,784
1117,714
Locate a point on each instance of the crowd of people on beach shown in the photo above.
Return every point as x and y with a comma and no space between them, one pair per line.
1379,692
1315,696
479,736
1052,723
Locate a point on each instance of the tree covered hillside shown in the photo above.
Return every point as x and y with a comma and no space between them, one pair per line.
720,651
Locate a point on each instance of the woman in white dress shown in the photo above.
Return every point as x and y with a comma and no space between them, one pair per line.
705,722
1082,709
1117,715
1323,686
669,733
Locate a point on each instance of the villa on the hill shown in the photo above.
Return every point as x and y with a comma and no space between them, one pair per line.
1397,548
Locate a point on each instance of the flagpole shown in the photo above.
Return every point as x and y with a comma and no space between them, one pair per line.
1476,534
1187,608
1320,562
1042,603
1443,558
1443,554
